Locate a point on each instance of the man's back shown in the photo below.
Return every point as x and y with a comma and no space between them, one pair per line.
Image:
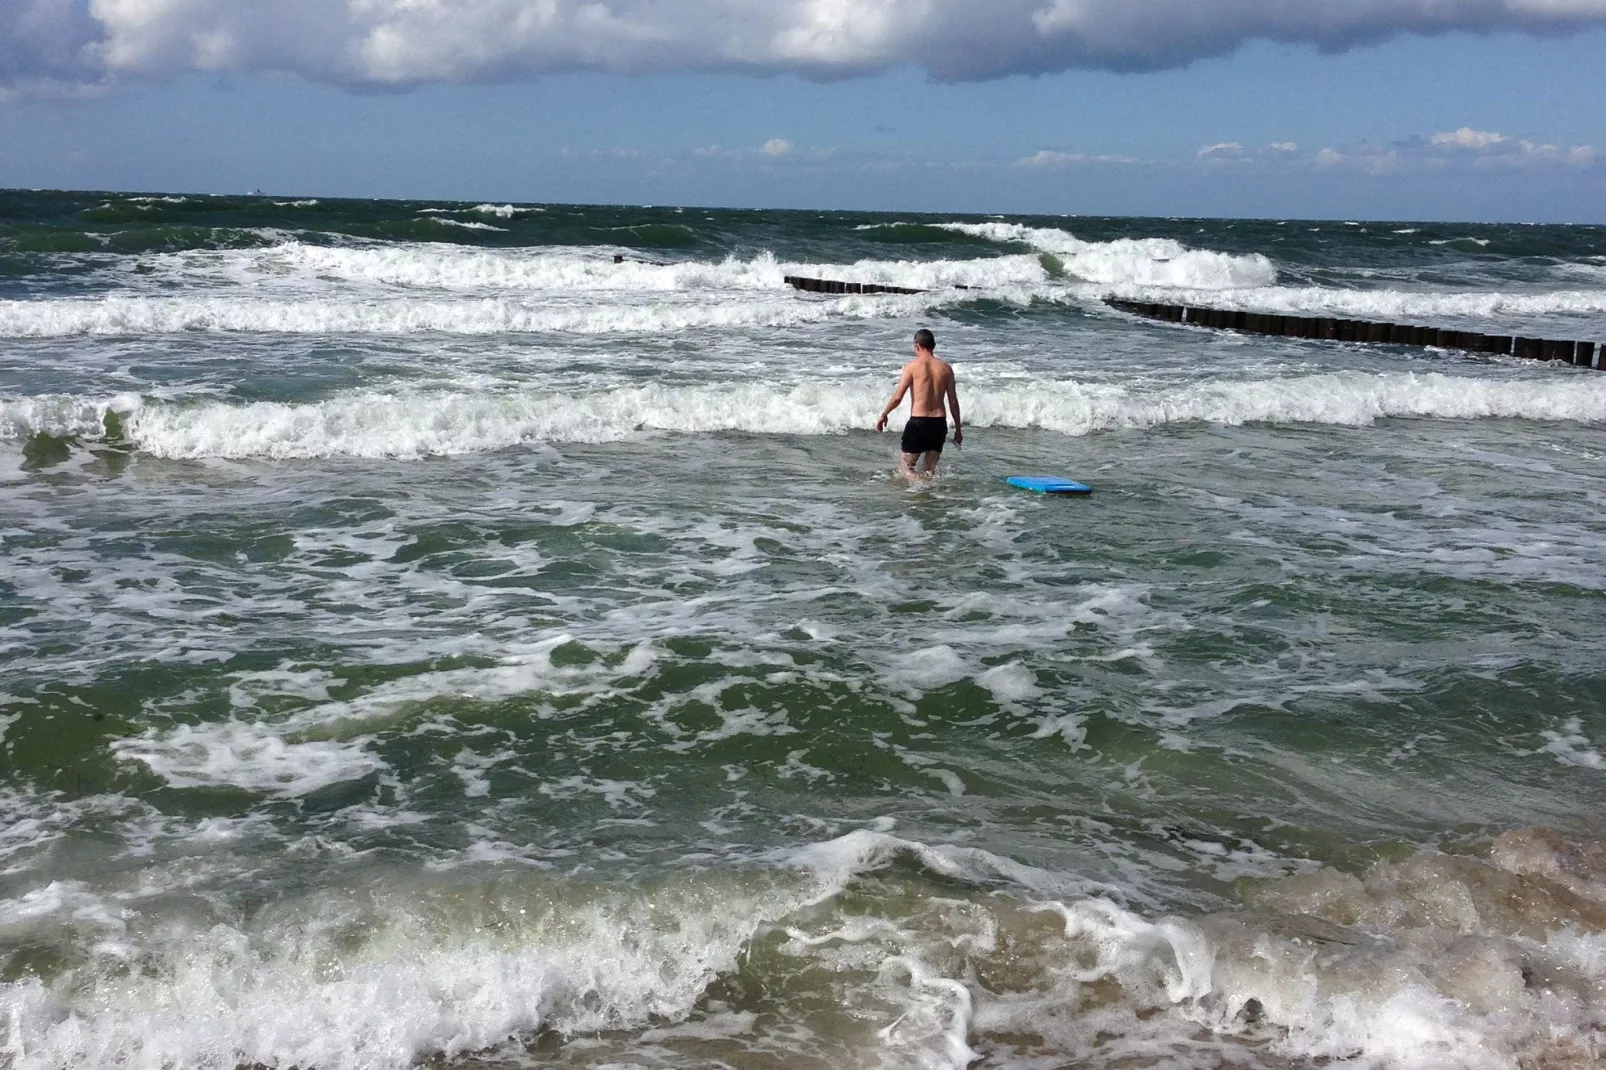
933,398
930,379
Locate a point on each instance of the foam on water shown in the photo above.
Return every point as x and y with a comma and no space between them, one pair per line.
459,290
470,224
505,211
489,316
252,757
1134,262
1493,961
377,974
310,269
1409,305
413,423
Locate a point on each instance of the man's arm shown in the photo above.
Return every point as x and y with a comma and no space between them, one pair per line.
904,381
953,409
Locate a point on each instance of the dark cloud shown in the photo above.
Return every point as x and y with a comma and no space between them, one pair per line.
47,44
380,43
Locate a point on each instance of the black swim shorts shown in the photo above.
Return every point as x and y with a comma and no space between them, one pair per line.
925,434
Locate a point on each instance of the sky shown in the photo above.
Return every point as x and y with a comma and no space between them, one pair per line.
1384,109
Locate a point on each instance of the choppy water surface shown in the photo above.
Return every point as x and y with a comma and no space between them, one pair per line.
426,640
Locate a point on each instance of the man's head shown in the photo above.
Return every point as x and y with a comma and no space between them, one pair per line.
925,340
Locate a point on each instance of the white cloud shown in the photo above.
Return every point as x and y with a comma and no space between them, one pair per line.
1052,158
776,146
1468,138
1463,148
408,42
1221,150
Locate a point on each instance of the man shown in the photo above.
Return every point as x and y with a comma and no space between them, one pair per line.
930,383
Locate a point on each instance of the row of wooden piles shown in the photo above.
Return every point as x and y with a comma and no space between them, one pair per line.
835,286
1582,354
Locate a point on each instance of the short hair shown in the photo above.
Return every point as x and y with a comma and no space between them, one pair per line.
926,340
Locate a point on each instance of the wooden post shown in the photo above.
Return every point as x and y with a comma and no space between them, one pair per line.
1529,348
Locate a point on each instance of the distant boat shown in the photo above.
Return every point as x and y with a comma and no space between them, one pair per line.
255,193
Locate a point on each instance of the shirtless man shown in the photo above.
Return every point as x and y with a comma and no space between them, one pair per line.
929,382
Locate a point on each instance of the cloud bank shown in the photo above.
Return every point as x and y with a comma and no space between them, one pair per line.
399,43
1464,149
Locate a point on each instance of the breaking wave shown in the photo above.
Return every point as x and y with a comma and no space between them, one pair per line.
1481,962
422,423
1133,261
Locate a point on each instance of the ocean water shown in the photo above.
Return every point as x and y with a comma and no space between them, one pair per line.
424,641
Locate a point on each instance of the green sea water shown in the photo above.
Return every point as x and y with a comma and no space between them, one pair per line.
427,640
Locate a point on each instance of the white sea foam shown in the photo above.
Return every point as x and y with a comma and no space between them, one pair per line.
1403,305
379,971
1571,747
1433,962
1133,262
470,270
61,414
418,423
300,288
380,975
252,757
587,270
469,224
504,211
144,316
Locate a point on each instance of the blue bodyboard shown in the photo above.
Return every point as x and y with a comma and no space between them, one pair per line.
1049,485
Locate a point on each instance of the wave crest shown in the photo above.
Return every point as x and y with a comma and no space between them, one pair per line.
425,423
1133,261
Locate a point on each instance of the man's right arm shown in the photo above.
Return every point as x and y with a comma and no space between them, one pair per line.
904,379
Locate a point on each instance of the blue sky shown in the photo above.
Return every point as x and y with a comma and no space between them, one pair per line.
1506,124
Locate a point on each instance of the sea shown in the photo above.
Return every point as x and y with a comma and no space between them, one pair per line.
494,635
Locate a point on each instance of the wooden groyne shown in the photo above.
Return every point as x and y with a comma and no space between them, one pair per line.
1582,354
834,286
